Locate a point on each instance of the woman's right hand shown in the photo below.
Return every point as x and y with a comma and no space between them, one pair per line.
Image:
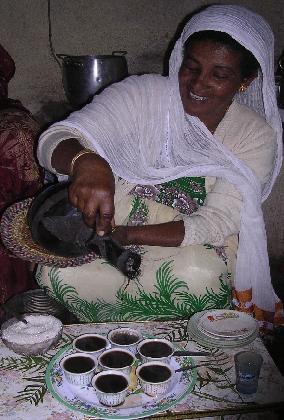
92,191
92,187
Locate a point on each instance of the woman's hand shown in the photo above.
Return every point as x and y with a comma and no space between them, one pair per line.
92,187
92,191
119,234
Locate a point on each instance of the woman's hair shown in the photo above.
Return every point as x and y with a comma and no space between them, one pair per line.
249,64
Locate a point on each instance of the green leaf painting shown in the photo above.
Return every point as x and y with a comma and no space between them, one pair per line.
170,299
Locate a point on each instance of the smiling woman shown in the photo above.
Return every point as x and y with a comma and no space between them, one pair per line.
181,164
214,68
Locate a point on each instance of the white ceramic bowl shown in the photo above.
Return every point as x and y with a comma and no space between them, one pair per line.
76,376
151,384
42,332
111,398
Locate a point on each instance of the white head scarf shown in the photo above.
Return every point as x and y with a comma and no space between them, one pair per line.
253,33
139,126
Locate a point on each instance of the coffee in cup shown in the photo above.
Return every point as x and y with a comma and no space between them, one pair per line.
111,383
155,373
155,377
155,349
78,368
117,359
78,364
126,338
111,387
93,344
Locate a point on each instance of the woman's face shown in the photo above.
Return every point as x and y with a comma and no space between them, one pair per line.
209,77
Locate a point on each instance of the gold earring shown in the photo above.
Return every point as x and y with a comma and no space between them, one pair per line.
242,88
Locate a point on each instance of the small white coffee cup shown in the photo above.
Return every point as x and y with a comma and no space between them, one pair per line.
155,349
155,378
92,344
125,338
79,368
111,387
117,359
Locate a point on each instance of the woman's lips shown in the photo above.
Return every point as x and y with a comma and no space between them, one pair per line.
197,97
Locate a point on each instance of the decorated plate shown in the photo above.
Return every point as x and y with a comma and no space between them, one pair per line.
210,340
226,323
137,404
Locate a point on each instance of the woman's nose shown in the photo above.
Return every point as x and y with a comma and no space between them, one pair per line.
200,80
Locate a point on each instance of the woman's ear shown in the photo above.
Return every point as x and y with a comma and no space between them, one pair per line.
247,81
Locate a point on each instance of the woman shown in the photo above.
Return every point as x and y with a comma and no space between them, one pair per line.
20,175
143,148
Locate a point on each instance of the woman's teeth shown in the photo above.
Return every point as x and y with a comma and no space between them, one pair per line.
196,97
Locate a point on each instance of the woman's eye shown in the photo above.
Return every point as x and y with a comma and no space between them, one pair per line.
220,76
191,68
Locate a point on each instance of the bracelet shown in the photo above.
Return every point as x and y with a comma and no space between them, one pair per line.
79,154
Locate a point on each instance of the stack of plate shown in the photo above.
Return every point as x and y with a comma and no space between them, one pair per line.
222,328
38,301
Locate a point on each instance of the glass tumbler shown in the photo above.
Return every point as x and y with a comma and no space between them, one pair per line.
248,365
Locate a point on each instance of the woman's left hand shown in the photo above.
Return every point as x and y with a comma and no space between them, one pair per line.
164,234
119,234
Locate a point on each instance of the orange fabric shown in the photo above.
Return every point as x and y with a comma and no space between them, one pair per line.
267,320
243,300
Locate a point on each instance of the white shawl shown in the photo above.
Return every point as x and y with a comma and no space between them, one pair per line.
139,126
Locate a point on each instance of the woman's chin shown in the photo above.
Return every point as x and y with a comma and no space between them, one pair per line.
196,112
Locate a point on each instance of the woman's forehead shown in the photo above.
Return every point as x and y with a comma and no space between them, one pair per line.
211,48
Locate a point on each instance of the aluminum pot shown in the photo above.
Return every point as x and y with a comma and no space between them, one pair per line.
85,75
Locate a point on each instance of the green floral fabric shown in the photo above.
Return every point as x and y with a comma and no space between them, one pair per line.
171,300
162,291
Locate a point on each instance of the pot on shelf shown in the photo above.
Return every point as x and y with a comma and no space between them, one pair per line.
85,75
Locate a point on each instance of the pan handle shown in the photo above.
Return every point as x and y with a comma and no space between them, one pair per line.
119,52
74,60
61,56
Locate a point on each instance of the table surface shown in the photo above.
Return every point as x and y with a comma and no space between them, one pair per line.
24,395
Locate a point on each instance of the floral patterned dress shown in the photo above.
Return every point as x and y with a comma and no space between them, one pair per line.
174,282
20,178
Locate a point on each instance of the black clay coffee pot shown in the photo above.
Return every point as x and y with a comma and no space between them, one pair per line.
60,228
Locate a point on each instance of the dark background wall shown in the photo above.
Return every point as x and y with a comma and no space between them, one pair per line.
143,28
